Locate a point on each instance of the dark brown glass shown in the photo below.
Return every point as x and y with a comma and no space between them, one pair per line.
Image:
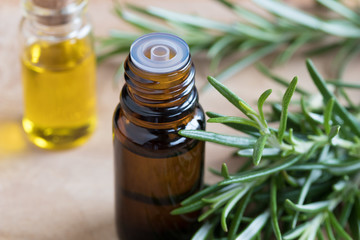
155,167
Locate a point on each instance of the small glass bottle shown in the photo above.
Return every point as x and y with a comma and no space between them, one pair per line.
58,73
155,167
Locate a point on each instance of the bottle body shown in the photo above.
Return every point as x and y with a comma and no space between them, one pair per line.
155,167
151,181
59,82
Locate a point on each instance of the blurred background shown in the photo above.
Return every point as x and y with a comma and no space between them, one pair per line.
70,194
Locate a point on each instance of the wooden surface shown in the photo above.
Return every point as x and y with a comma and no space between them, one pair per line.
47,195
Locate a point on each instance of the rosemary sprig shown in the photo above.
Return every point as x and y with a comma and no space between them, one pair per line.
253,36
302,184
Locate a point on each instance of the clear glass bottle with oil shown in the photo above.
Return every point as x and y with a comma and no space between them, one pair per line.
155,168
58,73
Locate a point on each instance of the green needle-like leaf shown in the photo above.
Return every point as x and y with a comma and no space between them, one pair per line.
189,208
295,232
337,227
344,217
315,207
232,97
232,141
328,115
293,47
264,70
267,152
285,104
313,176
247,176
329,230
252,131
258,149
261,102
259,34
139,22
341,9
238,120
239,215
344,84
251,17
289,13
354,221
255,226
225,171
338,109
274,210
333,132
247,61
199,195
204,232
190,20
230,205
307,20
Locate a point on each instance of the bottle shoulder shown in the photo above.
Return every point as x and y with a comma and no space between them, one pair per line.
135,135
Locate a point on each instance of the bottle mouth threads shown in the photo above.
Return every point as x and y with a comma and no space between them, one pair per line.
159,53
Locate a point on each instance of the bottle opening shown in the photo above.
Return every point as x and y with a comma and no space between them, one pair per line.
159,53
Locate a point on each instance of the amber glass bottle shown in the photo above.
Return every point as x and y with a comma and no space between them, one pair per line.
156,168
58,73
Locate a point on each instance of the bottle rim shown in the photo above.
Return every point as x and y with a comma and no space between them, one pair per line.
176,53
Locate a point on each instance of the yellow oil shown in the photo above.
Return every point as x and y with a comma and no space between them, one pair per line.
59,92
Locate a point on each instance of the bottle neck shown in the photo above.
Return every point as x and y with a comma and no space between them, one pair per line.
158,98
56,18
159,90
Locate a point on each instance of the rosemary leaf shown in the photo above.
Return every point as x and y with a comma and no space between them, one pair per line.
266,152
259,148
262,173
274,210
338,108
327,115
261,102
190,20
300,17
232,97
341,9
344,84
255,226
247,61
239,120
251,17
239,215
231,204
329,230
285,104
252,131
232,141
264,70
315,207
337,227
204,232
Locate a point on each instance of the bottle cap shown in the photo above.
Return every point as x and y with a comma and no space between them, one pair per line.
159,53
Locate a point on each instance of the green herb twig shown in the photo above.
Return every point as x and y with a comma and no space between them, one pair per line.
303,184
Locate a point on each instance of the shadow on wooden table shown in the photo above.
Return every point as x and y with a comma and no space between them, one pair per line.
12,138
